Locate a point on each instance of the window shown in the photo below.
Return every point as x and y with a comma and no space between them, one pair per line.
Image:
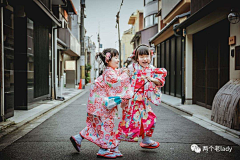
155,19
150,20
147,22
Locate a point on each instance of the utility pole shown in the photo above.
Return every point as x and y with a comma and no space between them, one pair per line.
82,31
117,16
117,20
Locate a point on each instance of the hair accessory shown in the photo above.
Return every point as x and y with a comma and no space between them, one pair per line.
133,53
152,52
107,57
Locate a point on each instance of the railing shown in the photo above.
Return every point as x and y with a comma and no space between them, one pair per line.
64,35
69,41
74,44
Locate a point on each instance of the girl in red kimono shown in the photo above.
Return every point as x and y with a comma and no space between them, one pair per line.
138,118
100,120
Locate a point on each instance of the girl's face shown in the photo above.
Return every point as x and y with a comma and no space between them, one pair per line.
144,60
114,62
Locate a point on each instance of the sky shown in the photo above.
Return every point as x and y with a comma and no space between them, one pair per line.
101,17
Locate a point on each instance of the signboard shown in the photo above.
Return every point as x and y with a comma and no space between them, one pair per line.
82,60
100,45
70,65
232,40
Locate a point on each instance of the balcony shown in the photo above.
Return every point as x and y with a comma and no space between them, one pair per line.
66,38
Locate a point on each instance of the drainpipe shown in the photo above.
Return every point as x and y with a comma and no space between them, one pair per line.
180,34
54,62
2,67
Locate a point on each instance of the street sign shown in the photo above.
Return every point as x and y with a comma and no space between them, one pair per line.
100,45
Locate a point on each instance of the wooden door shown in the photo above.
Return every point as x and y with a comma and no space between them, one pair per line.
210,62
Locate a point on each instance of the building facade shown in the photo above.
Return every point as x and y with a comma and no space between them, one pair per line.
195,48
170,46
209,55
126,46
30,43
136,20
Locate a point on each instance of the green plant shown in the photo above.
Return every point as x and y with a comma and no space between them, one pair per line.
87,72
88,67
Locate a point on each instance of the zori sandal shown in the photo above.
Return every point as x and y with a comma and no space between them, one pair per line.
150,145
75,144
117,153
107,154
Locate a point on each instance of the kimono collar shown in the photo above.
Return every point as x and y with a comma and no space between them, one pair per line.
110,68
139,67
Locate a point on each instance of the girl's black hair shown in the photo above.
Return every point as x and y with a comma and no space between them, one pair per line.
142,49
102,55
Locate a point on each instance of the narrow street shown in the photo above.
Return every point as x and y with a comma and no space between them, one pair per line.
176,134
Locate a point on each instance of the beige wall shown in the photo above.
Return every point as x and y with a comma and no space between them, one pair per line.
125,41
205,22
234,31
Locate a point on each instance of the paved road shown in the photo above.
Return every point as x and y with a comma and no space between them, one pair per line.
176,134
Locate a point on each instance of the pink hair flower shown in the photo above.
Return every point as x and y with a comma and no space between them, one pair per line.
107,57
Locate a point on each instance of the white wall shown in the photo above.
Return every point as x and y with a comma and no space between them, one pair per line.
93,53
188,69
234,31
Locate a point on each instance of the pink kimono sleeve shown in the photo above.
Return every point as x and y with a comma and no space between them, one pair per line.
114,80
160,74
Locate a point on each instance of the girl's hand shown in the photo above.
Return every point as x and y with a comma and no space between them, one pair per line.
126,70
154,80
124,103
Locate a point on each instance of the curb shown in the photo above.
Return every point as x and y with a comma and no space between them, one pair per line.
226,129
12,126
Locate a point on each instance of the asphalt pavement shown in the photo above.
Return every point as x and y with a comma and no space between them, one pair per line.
47,137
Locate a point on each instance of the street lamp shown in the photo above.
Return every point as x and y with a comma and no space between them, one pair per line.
233,17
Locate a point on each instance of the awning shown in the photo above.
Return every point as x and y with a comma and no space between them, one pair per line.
136,36
132,19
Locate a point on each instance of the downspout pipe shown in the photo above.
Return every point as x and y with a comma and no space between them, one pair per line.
180,34
54,50
2,116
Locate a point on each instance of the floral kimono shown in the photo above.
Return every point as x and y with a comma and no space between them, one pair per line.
100,120
138,118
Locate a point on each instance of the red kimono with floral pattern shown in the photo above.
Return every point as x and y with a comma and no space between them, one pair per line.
100,120
138,117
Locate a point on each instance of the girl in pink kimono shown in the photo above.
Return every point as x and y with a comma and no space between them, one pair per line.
138,118
100,120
